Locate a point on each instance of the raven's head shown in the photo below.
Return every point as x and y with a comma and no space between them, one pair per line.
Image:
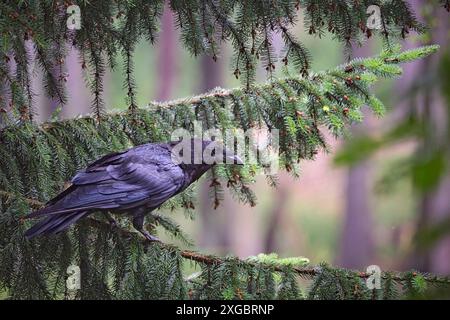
203,152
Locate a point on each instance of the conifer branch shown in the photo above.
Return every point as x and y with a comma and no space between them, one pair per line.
309,272
204,25
383,65
37,160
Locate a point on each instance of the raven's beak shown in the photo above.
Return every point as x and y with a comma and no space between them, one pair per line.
230,157
233,159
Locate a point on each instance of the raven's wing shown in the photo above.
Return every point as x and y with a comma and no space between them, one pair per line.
122,181
109,159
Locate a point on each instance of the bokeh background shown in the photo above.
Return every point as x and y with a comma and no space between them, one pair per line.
381,196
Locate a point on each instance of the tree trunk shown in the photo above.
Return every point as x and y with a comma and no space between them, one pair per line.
167,61
277,214
357,245
78,101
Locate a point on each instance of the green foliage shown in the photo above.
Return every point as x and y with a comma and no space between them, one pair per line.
336,284
273,259
363,146
36,162
425,168
430,235
37,30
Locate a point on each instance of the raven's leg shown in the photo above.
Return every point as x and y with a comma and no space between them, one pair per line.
138,224
110,219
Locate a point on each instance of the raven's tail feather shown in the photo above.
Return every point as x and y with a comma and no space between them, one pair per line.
40,212
55,223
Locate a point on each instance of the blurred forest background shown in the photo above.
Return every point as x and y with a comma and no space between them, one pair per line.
381,196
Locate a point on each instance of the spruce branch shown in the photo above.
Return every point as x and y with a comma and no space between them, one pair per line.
110,27
35,161
309,272
384,65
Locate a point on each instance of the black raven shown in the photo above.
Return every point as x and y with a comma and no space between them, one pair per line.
135,181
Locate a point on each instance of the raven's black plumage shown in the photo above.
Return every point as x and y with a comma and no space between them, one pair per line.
136,181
